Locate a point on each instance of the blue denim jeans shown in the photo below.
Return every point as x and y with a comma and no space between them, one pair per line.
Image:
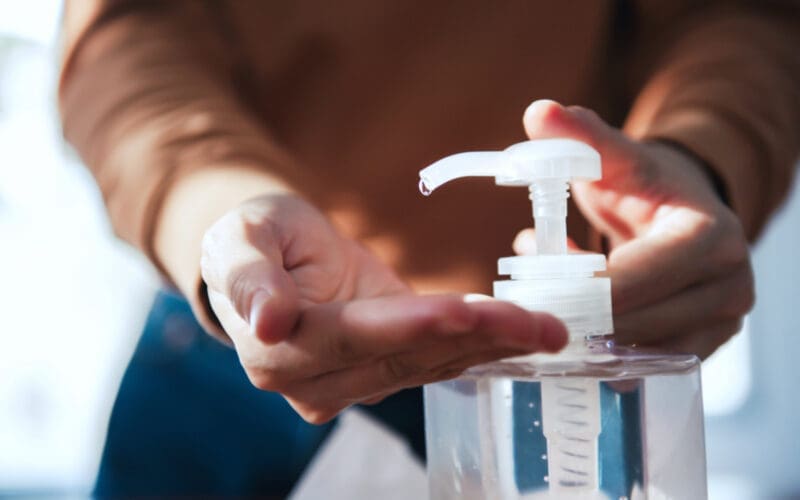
187,422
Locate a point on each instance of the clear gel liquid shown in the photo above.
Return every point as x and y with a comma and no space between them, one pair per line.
486,439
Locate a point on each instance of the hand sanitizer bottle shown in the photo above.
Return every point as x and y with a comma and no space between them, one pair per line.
594,421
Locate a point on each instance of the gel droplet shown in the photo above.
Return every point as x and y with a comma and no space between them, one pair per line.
424,189
536,423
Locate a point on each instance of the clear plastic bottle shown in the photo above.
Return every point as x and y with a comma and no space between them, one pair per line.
486,438
593,421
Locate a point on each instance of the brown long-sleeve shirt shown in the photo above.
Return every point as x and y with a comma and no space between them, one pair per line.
343,102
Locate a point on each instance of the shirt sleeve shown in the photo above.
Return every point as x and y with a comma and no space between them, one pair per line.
149,94
727,88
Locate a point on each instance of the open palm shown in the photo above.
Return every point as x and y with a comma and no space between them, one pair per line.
318,318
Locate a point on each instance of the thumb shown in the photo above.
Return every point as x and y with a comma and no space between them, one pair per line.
268,301
255,284
545,119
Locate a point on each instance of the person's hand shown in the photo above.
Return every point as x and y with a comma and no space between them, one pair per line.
679,260
316,317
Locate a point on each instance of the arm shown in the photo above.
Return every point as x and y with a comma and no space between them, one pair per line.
148,98
728,96
151,103
727,88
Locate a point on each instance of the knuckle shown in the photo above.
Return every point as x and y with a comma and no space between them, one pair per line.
745,297
343,349
735,327
718,335
709,229
710,225
734,251
731,248
395,369
740,297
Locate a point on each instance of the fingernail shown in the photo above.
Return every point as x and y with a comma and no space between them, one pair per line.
260,297
539,105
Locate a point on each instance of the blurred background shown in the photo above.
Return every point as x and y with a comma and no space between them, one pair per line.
73,301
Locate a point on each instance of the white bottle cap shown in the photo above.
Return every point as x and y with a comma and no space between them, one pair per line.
562,285
554,280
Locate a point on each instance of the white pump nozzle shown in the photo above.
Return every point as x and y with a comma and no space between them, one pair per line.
474,164
545,165
553,280
519,165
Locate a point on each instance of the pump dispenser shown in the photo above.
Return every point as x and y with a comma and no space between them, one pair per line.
553,281
594,421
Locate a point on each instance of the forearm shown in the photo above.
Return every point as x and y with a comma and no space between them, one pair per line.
149,101
728,90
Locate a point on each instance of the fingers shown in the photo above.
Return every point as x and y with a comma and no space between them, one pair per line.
380,327
320,399
664,261
685,293
546,119
332,337
250,277
353,352
683,248
621,202
702,306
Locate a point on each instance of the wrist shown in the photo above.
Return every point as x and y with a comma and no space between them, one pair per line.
716,182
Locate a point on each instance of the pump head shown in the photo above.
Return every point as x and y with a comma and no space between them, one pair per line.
518,165
553,280
546,166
